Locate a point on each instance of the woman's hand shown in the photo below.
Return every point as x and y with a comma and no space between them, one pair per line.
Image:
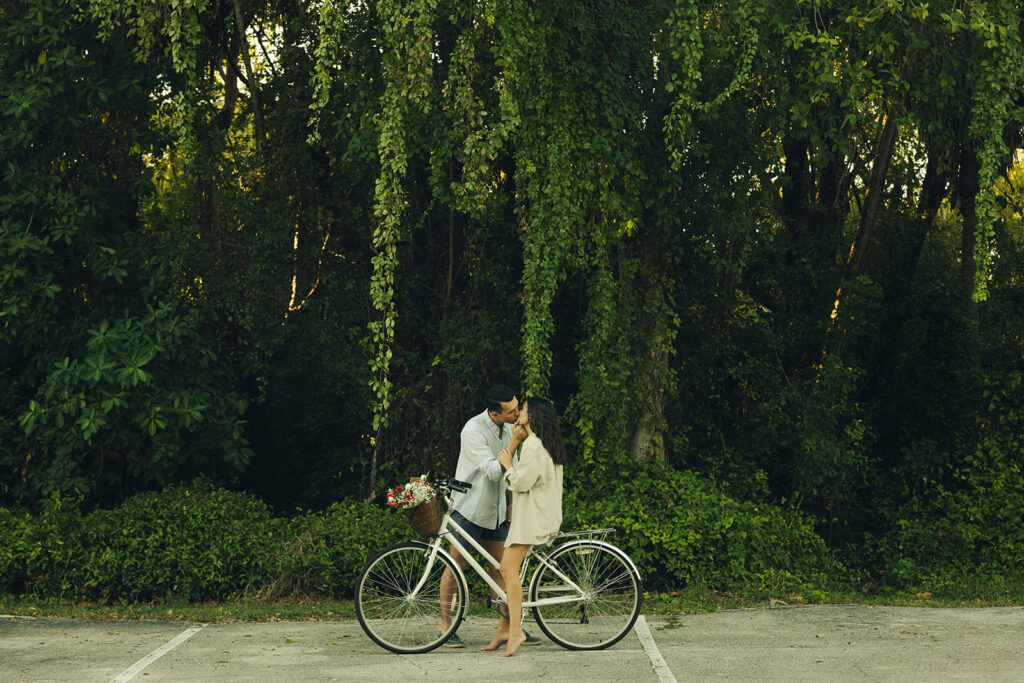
505,456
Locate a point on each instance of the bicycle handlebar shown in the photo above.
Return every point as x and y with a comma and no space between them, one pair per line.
455,484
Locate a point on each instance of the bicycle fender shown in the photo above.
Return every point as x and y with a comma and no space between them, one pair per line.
604,544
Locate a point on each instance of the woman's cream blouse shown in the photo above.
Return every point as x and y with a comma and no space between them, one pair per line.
536,486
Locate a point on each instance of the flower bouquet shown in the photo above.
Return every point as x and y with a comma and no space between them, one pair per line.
419,500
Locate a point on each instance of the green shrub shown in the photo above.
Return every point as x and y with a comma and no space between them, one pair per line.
680,530
197,542
325,551
955,538
15,548
191,542
48,554
972,528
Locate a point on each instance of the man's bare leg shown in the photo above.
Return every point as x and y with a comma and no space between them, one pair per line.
448,583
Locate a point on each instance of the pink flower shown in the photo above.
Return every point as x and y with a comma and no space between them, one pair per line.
393,504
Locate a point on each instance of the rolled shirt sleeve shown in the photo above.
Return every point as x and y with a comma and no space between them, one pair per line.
484,504
478,456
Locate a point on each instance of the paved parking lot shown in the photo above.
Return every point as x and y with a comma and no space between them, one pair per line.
813,643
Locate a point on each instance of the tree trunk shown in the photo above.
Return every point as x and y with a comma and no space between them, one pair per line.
814,206
648,441
967,189
649,436
911,240
869,216
254,89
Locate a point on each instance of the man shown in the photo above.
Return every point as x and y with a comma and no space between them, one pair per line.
483,510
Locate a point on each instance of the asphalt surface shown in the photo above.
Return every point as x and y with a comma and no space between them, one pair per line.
812,643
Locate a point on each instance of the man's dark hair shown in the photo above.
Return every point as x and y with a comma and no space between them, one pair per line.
497,395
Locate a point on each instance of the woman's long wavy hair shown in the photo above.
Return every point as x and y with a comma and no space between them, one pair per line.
544,422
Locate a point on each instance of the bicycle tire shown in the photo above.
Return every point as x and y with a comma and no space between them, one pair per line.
611,602
386,608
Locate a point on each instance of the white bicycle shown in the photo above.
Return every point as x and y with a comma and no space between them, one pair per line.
585,593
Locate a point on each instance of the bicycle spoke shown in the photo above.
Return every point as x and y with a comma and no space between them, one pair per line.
607,607
389,612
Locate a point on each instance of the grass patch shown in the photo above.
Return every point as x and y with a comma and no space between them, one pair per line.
671,604
242,609
206,612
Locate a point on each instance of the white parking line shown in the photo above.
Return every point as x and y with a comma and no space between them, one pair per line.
651,648
133,671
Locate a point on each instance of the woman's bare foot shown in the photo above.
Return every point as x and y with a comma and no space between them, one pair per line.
499,638
513,645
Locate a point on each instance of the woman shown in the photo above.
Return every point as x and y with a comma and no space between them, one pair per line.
536,486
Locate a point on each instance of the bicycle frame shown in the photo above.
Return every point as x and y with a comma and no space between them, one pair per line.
584,593
448,525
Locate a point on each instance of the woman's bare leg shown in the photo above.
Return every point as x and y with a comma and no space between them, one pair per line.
511,561
497,551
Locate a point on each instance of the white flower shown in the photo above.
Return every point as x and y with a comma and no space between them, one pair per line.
410,495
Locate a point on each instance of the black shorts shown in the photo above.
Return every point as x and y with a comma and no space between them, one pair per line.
478,532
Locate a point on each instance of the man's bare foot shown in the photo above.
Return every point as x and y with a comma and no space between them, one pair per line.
513,645
499,638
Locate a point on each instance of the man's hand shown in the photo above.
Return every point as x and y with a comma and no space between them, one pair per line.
519,435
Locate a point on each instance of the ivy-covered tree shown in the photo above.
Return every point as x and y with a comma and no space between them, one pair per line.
293,243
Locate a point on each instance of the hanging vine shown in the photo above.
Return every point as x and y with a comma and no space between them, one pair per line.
407,43
580,183
996,92
180,24
550,182
329,31
685,27
484,132
595,368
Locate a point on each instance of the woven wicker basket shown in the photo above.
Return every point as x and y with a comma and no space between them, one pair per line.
425,518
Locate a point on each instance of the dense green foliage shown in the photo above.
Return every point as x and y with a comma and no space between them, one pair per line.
770,253
969,527
684,532
189,542
197,542
110,382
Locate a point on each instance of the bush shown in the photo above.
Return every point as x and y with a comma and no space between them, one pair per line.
50,554
973,527
197,542
325,551
680,530
15,548
189,542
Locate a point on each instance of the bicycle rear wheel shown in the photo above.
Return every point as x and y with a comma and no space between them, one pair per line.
398,598
608,607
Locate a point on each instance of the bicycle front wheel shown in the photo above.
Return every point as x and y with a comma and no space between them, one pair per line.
399,598
604,608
